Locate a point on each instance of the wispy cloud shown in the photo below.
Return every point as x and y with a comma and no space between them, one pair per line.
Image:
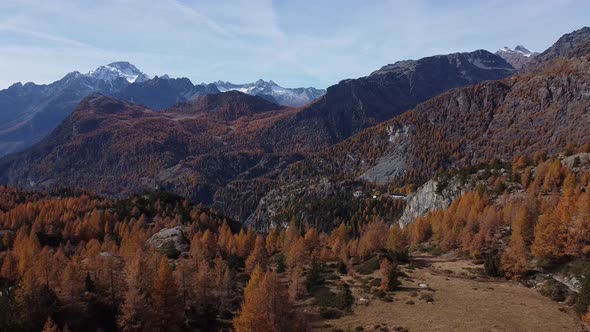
193,14
294,43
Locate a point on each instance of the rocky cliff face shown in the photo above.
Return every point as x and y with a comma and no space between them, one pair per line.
434,195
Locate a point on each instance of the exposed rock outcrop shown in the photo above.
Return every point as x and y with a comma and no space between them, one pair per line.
170,241
431,197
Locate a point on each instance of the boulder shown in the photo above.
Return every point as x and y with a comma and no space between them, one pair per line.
170,241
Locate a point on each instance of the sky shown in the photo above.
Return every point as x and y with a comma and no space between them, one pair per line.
295,43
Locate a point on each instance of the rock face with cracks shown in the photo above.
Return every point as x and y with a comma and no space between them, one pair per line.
431,197
170,241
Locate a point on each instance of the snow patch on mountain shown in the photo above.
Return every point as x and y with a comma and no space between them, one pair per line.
284,96
115,70
517,57
518,50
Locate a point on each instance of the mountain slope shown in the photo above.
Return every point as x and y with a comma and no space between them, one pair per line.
117,148
353,105
31,111
544,108
574,44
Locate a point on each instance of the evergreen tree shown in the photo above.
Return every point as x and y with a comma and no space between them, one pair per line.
314,276
583,299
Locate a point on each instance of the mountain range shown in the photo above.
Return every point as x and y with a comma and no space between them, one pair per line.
273,92
202,145
31,111
251,157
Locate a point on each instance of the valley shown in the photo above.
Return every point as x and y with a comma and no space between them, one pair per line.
449,192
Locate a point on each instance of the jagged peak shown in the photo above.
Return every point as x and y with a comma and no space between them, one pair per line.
118,69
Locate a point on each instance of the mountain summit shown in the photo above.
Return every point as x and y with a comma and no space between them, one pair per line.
121,69
519,49
517,57
274,92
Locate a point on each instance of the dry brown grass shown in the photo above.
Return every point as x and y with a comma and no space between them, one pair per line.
460,304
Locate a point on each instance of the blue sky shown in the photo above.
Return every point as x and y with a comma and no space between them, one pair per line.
295,43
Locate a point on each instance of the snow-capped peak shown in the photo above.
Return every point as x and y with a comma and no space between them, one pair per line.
284,96
119,69
523,50
519,49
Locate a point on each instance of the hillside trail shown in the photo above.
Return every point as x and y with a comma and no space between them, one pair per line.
462,301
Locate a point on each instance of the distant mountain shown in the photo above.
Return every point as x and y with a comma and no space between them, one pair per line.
283,96
29,112
162,92
117,70
230,106
518,58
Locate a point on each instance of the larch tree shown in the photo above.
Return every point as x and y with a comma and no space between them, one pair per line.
514,261
296,253
582,224
71,283
165,310
296,285
209,243
258,256
546,244
9,269
266,308
292,234
134,308
389,275
50,326
272,239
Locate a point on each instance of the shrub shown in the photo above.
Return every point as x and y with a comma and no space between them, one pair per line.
399,256
280,261
314,276
491,265
554,290
344,297
389,275
341,268
369,266
324,297
330,313
375,282
583,300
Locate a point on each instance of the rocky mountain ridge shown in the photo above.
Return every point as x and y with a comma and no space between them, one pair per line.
519,57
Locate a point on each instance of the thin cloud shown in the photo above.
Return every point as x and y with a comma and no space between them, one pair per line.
193,14
304,43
